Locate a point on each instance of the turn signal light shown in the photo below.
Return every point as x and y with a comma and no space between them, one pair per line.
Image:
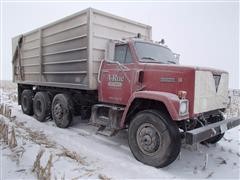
182,94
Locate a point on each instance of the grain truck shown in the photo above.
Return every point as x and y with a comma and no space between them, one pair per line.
108,69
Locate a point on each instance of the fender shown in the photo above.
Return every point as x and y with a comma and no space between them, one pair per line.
171,101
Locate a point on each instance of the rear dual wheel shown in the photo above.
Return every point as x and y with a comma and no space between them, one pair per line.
27,101
62,110
41,106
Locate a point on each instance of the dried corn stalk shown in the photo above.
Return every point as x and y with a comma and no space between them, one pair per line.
1,108
12,141
1,129
47,169
43,173
36,164
103,177
5,133
73,155
6,111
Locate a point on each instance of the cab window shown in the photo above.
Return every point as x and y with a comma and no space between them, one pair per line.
122,54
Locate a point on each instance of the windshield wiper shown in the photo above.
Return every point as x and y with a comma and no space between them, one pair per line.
152,60
149,58
172,62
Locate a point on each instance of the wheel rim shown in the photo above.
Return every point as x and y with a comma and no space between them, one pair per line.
148,139
58,111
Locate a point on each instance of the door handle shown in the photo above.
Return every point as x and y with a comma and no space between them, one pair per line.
99,71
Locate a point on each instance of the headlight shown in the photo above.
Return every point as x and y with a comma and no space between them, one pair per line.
183,108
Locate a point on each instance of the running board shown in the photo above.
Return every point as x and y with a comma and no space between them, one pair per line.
107,118
103,130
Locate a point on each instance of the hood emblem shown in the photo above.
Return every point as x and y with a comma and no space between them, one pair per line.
216,78
168,79
171,79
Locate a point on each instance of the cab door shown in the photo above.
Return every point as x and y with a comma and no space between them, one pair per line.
116,78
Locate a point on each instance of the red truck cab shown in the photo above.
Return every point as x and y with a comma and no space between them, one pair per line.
146,70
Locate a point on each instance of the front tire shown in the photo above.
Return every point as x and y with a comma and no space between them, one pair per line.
62,110
154,139
215,139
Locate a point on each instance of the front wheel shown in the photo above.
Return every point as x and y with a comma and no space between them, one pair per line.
154,139
215,139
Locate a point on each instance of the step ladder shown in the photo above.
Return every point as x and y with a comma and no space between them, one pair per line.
107,118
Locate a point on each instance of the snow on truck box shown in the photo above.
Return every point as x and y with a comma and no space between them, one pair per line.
108,69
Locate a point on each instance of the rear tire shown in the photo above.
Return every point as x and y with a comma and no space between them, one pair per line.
154,139
41,106
27,101
62,110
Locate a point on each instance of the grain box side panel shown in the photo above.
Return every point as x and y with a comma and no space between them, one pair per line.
30,56
64,52
67,53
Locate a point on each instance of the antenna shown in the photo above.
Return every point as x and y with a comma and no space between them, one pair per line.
162,41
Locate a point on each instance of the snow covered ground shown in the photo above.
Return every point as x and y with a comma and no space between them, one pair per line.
77,152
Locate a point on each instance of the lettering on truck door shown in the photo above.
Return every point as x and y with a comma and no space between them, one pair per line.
116,77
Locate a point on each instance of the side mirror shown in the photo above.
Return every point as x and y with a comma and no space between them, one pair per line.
110,51
176,57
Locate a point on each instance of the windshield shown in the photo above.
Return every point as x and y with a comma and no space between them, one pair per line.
154,53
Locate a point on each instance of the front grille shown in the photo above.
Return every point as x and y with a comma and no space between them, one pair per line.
217,78
211,91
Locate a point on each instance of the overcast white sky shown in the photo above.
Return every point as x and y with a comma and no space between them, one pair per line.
205,34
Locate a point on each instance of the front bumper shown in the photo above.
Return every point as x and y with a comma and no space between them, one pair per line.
208,131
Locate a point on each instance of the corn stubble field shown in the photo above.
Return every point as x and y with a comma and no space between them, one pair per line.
30,149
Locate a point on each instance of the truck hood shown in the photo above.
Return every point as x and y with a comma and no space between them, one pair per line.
205,92
175,67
